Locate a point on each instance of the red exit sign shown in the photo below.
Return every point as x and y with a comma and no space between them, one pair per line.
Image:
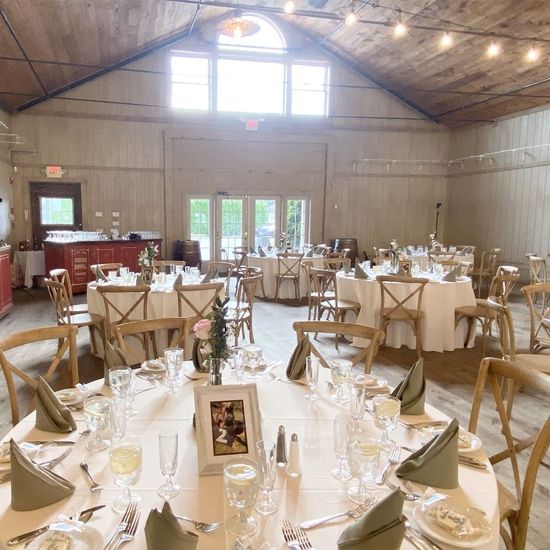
54,172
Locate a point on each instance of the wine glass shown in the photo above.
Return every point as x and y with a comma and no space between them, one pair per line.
312,377
119,380
253,359
386,415
96,411
118,418
267,471
168,457
364,457
340,370
238,364
341,472
125,460
174,362
240,477
358,396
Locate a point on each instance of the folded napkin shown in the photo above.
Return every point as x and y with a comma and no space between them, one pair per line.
297,364
163,531
51,414
32,486
179,280
261,252
251,250
451,275
436,463
99,275
411,391
380,528
207,278
359,272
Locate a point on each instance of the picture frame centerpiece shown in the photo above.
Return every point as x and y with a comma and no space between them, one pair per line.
210,349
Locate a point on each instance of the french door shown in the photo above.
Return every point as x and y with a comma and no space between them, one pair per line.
231,224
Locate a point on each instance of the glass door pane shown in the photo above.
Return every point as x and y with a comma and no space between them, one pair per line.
200,224
296,222
266,218
231,224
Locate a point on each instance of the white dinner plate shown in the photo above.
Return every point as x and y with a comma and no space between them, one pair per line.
154,365
28,448
88,538
70,396
191,372
371,382
468,442
423,514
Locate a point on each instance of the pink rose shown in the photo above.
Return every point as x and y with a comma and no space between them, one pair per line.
202,329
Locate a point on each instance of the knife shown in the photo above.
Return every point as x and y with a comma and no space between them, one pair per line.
59,443
472,462
32,534
421,425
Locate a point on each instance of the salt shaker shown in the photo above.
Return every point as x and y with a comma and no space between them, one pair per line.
281,446
293,468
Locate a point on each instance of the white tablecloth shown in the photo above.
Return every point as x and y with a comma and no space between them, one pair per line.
315,494
31,263
269,267
438,303
422,259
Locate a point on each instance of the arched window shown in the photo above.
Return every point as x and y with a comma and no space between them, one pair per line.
266,39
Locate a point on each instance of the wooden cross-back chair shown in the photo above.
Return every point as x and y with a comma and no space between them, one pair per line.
463,249
538,301
366,354
160,266
178,334
402,310
251,271
537,269
486,269
65,335
62,276
240,254
62,304
321,250
222,269
513,508
113,266
288,269
441,257
244,305
337,264
312,294
448,265
190,303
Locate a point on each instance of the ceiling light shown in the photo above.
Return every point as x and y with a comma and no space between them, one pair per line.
351,18
400,28
446,40
289,7
493,50
533,54
237,26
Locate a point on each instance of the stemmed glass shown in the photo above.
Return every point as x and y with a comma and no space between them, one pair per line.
386,415
173,358
240,478
119,380
267,471
118,418
312,377
340,370
125,460
168,457
358,396
253,359
131,395
238,363
96,410
341,472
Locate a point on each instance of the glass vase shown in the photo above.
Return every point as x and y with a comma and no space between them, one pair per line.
215,366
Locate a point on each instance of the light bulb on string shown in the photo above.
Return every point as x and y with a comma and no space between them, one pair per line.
289,7
351,18
446,40
533,54
493,50
400,28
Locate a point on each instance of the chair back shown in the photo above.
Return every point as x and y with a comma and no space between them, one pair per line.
537,270
503,282
321,250
149,331
492,373
240,253
441,257
113,266
323,282
246,291
62,276
449,265
405,305
222,269
60,300
288,264
506,333
337,264
224,255
195,301
489,259
538,301
160,266
306,266
466,268
367,354
64,337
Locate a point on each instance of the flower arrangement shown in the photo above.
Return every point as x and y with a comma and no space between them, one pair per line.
148,254
394,252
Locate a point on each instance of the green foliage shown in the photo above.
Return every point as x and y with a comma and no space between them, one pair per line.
219,329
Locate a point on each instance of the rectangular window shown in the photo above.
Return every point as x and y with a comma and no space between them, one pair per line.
200,224
190,82
250,86
296,222
309,89
56,211
265,222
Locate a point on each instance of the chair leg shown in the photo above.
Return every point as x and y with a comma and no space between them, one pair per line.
297,288
93,342
263,289
250,331
469,331
277,285
418,331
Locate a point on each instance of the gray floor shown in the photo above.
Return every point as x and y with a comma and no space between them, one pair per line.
451,376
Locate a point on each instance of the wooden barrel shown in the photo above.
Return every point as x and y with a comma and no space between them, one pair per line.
190,251
344,242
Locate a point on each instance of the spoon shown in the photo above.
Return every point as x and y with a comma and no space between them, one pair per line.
95,486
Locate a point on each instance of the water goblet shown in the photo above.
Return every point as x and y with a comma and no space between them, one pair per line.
341,472
173,358
238,363
267,472
96,411
125,460
386,415
340,370
119,380
168,457
131,395
118,418
358,396
312,377
240,478
253,359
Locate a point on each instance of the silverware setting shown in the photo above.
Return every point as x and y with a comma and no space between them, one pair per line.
202,526
54,443
422,425
408,496
355,512
425,542
125,523
393,459
95,486
462,459
295,537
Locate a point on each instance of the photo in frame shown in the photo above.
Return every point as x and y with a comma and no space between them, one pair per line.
405,267
228,424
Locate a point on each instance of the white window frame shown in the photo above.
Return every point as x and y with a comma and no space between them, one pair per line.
312,62
284,213
252,217
209,87
211,221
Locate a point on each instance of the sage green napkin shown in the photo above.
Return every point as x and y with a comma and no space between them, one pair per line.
179,280
99,275
261,252
451,275
411,391
163,532
51,414
359,272
32,486
380,528
297,364
207,278
436,463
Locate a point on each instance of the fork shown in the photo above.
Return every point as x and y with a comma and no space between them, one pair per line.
393,458
95,486
295,537
129,533
355,512
123,523
201,526
410,497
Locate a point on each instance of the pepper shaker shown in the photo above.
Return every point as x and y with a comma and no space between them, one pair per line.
281,447
293,468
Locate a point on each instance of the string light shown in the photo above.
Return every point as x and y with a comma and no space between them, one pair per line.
289,7
533,54
351,18
446,40
400,28
493,50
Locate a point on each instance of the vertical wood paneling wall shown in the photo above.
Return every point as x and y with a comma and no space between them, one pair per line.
5,188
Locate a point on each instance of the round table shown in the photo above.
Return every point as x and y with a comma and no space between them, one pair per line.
313,495
422,259
439,302
269,267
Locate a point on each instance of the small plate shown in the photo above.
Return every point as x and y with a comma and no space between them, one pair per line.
424,516
191,372
154,365
70,396
28,448
468,442
371,381
87,538
260,370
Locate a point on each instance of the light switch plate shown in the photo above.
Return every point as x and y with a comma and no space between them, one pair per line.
115,223
115,214
99,214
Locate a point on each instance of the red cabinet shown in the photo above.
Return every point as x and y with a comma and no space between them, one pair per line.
6,302
77,258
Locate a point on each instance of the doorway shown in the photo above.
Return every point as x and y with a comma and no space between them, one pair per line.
54,207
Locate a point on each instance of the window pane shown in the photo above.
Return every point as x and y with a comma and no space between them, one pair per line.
267,39
56,211
296,222
265,211
250,86
190,83
200,225
309,90
232,223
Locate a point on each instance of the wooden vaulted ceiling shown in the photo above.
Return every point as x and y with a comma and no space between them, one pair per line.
47,45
